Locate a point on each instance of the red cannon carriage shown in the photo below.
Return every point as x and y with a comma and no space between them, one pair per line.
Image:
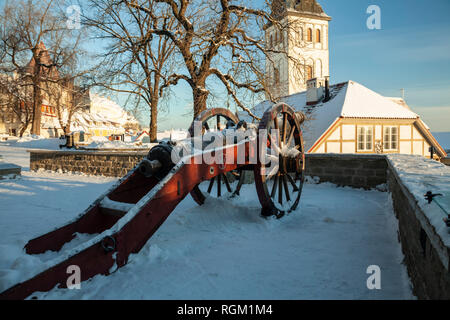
128,214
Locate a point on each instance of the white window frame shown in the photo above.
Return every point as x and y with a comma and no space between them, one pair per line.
368,132
388,141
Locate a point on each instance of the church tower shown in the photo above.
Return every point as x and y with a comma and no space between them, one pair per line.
298,45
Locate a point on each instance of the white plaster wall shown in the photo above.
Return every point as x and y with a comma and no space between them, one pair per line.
348,147
348,132
333,147
417,147
405,132
405,147
335,135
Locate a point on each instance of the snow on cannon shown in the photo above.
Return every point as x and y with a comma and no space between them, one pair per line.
215,161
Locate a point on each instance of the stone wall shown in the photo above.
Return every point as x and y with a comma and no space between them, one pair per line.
426,257
111,164
359,171
343,170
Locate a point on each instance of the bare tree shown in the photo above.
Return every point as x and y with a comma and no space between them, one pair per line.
136,61
15,104
27,24
68,95
225,39
217,38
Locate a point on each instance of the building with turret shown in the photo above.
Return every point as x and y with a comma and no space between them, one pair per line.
298,42
340,118
90,112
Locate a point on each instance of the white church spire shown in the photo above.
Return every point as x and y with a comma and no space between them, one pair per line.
303,35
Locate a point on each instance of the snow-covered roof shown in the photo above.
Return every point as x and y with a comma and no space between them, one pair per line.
106,110
104,114
361,102
348,100
399,101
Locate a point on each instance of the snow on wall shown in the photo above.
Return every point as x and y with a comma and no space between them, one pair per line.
421,175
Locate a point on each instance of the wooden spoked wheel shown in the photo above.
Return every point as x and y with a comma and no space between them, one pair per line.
216,119
279,174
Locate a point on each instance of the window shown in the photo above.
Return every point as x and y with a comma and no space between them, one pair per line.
271,41
276,73
299,35
318,35
390,138
309,38
309,72
365,137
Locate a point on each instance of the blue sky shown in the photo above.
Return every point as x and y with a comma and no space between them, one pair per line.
411,51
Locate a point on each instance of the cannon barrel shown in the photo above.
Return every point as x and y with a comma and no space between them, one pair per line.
149,167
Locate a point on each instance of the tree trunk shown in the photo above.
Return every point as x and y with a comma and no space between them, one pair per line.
66,129
37,108
200,98
23,129
154,119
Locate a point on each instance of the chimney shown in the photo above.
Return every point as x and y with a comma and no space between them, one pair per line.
327,89
315,90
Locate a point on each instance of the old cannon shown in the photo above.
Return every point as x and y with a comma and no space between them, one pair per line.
214,161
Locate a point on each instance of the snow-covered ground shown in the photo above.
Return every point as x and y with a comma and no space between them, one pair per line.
222,250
